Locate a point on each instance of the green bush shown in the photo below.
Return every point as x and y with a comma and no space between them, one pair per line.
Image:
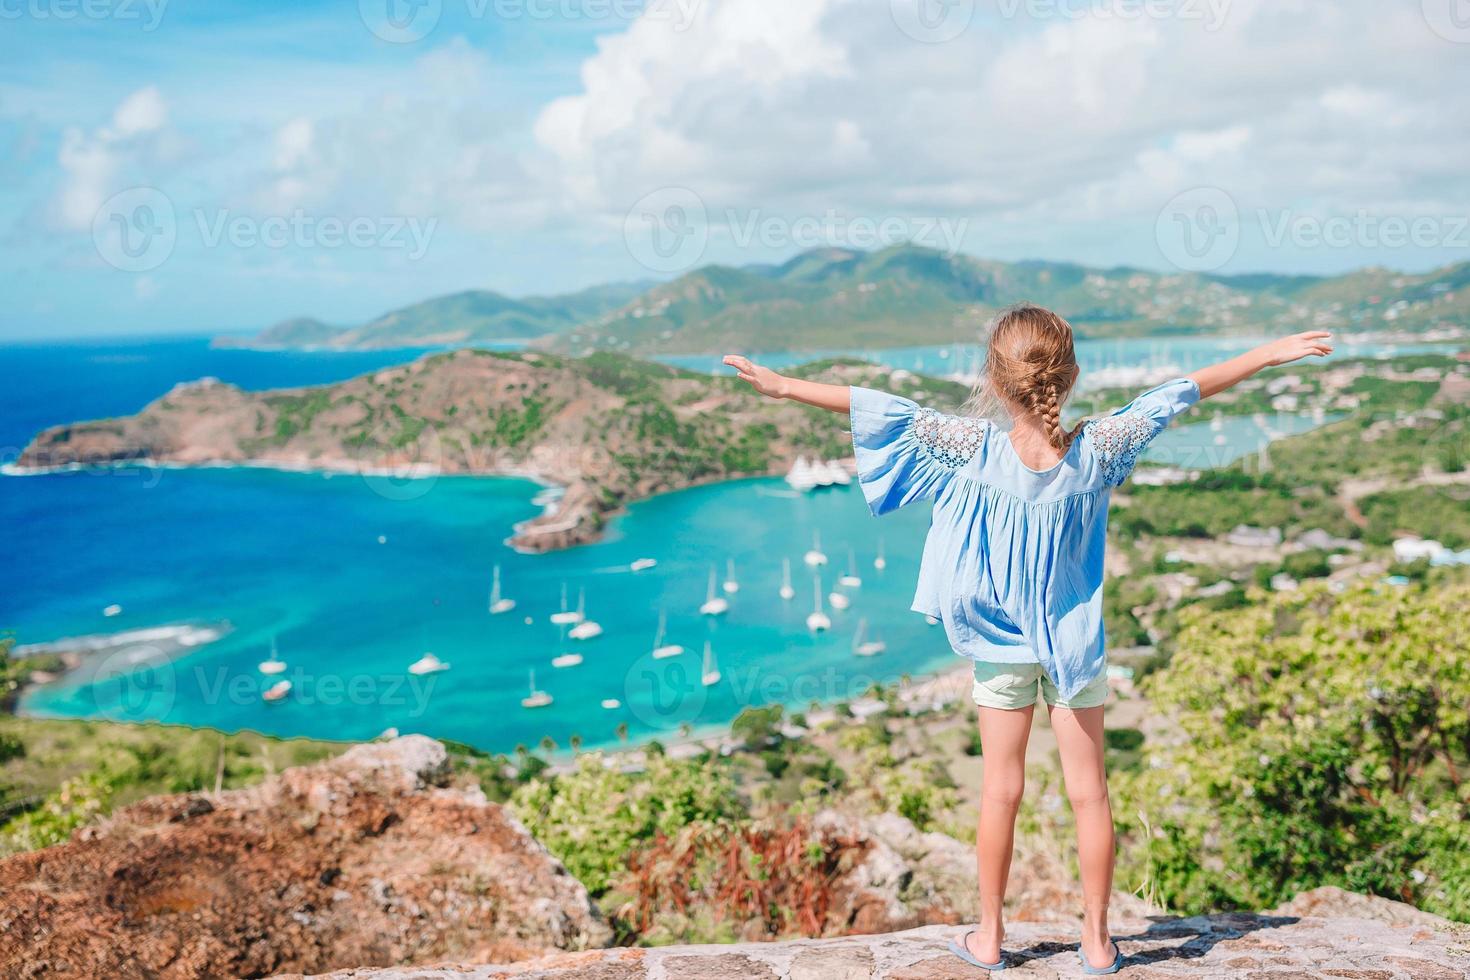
593,817
1324,739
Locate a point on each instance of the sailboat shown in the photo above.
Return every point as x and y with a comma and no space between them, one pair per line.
535,699
731,586
787,592
710,675
275,665
867,648
498,603
585,629
427,664
565,617
851,579
714,605
816,556
800,476
566,659
880,562
662,650
818,620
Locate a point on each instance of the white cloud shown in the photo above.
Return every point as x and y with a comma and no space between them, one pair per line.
141,112
1022,125
431,142
95,164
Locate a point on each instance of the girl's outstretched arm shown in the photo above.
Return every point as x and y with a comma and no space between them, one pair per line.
834,398
1227,374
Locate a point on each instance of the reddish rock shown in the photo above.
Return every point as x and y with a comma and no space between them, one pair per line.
360,861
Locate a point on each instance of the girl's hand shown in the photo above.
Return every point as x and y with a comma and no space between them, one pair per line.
1313,343
762,379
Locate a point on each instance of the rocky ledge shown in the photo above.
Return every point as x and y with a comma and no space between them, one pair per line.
1326,934
364,859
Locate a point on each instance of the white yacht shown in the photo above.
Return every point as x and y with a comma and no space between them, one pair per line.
662,650
864,647
642,564
274,665
710,674
731,585
880,562
800,476
838,599
585,629
498,603
427,664
535,699
714,605
611,704
565,617
277,691
850,579
816,556
564,660
787,592
818,620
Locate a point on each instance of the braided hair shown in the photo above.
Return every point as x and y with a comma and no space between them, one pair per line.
1031,362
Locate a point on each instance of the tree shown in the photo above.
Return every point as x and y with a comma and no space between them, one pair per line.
1318,739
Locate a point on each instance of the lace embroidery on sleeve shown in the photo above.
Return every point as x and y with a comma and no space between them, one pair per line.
1118,441
949,440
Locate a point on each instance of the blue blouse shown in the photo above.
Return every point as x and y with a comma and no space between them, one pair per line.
1013,562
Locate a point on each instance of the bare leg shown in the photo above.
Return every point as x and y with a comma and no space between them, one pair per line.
1080,739
1003,735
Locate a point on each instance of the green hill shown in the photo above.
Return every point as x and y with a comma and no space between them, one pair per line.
471,317
839,298
836,298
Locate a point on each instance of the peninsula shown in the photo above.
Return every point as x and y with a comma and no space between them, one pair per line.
607,428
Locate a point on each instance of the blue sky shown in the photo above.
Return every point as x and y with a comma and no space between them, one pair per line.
191,167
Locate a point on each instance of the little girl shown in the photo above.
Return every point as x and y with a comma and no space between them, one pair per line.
1013,566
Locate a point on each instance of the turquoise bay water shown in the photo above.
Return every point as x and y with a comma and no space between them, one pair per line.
296,557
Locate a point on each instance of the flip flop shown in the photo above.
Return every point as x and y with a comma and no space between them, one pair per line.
1099,971
961,949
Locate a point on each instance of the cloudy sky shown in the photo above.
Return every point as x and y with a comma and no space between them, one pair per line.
195,167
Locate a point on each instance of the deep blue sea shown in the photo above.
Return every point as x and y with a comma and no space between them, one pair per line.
354,585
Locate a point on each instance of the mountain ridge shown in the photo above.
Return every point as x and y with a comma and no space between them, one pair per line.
836,298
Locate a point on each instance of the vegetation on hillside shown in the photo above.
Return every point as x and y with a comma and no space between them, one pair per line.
1311,738
831,298
57,775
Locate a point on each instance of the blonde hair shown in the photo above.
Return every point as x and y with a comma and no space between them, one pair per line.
1029,362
